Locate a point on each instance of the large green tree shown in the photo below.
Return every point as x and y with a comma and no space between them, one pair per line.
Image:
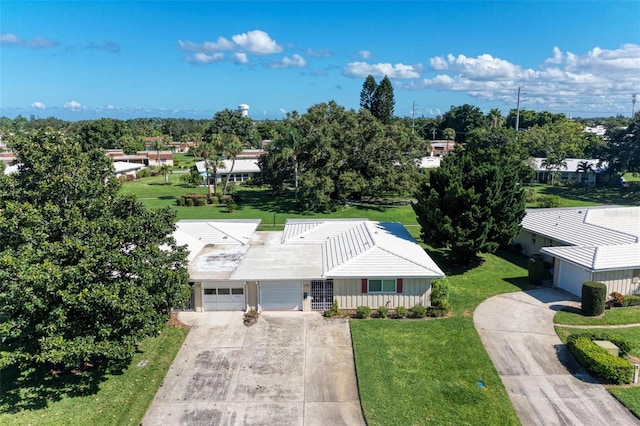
232,122
622,151
378,98
475,201
463,119
85,273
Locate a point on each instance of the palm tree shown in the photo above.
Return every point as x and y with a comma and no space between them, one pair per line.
495,115
584,167
449,135
210,152
553,163
157,145
166,170
232,147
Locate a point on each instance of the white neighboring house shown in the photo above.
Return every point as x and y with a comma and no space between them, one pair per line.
243,170
429,162
305,267
586,244
571,172
123,168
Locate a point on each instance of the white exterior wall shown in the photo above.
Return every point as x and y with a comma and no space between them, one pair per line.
348,293
620,281
529,247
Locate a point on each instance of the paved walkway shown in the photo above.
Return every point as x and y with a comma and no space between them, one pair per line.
290,368
545,383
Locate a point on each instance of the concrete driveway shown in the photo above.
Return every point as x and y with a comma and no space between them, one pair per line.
545,383
290,368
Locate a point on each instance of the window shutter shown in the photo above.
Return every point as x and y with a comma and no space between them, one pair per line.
399,285
364,285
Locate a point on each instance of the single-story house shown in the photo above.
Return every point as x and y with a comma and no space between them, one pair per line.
586,244
123,168
243,170
305,267
570,171
147,158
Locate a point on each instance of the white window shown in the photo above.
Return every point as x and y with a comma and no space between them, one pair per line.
382,286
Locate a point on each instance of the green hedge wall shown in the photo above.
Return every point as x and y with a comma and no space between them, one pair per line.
594,297
600,362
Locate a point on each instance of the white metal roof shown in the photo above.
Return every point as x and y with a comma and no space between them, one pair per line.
123,166
599,258
240,166
220,232
583,226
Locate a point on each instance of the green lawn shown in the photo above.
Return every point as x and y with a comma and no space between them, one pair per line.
37,398
615,316
577,196
427,372
253,203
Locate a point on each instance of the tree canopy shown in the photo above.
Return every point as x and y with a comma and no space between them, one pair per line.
332,154
622,151
475,201
378,99
85,273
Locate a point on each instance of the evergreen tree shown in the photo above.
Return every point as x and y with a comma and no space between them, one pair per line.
383,101
367,95
475,201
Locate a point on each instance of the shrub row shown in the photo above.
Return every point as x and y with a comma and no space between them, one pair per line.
618,299
600,362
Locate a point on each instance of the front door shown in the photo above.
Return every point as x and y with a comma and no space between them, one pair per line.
322,294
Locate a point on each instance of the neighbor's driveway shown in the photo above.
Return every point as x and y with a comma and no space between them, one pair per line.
290,368
545,383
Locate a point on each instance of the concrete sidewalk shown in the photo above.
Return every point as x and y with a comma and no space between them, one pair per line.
544,382
290,368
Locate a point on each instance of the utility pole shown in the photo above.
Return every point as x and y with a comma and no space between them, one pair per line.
633,105
413,116
518,112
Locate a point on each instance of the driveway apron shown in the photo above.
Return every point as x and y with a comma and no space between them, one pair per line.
290,368
544,381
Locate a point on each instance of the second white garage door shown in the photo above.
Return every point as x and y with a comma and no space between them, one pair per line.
572,277
281,295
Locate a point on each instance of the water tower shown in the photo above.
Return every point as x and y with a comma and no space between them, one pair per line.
244,109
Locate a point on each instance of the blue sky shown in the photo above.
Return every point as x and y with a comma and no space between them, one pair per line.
79,60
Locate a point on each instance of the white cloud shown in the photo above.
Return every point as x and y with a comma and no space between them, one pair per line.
240,58
203,58
38,105
208,46
296,61
318,53
364,54
283,111
257,42
10,39
596,80
107,46
73,105
363,69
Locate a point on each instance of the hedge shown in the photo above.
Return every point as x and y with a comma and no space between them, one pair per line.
631,300
600,362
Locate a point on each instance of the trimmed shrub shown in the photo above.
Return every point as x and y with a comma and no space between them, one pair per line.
548,201
418,311
231,205
383,312
201,202
594,297
332,311
188,202
536,269
401,312
631,300
440,288
180,201
598,361
363,312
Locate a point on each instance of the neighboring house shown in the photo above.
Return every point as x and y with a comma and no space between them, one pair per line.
570,173
243,170
147,158
429,162
440,148
8,158
126,169
586,244
307,266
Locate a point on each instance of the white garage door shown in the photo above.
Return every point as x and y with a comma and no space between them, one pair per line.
223,298
281,295
572,277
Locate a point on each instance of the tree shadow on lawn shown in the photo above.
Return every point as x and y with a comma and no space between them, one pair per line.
36,388
603,195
